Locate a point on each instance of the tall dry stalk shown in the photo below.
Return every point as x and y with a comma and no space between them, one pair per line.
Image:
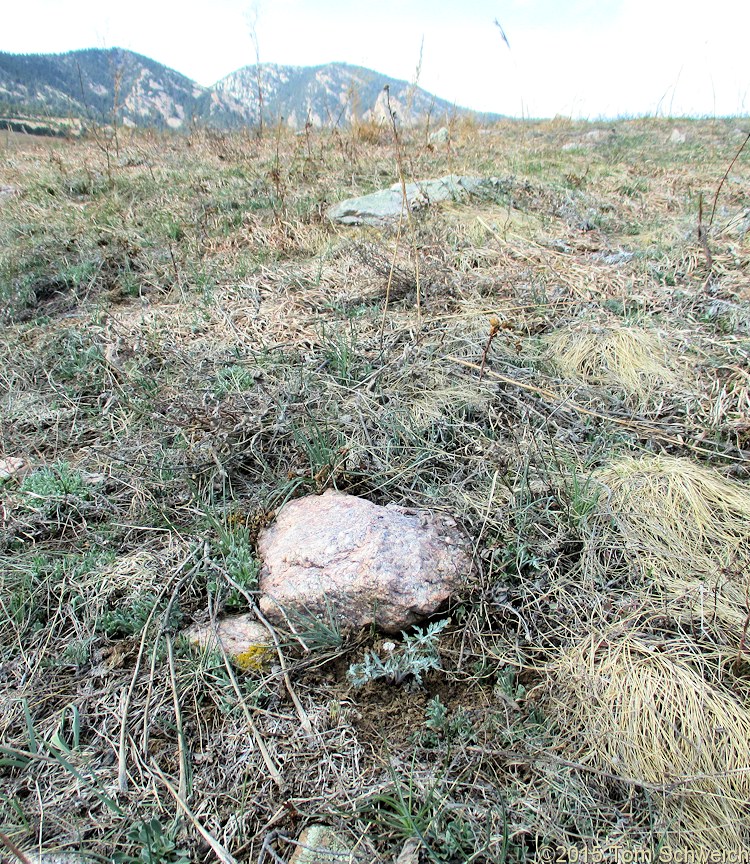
410,219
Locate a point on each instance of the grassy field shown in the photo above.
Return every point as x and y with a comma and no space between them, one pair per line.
187,343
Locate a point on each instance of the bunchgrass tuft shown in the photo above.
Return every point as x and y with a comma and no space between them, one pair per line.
641,711
638,362
683,531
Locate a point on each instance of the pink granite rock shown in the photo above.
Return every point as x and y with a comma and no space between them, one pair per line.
340,554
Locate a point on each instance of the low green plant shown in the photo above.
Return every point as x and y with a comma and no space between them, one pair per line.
78,362
581,496
78,651
519,561
324,448
130,619
442,725
233,552
507,683
234,379
417,655
64,752
319,632
34,586
446,827
344,361
158,845
48,486
403,809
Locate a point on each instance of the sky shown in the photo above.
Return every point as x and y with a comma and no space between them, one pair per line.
587,59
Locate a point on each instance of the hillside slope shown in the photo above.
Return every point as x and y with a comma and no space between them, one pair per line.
97,85
329,95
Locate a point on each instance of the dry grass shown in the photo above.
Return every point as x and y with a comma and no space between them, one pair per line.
633,360
685,532
726,405
641,711
187,343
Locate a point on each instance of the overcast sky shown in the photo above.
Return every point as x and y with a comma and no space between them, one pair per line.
580,58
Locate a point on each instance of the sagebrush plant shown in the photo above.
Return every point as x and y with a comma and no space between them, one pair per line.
417,654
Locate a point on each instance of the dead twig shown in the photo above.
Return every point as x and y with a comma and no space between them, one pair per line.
494,330
301,713
14,850
182,788
702,238
402,179
703,233
273,769
122,774
639,426
724,178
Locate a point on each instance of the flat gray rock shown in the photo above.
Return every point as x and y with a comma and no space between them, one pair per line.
319,844
386,206
336,555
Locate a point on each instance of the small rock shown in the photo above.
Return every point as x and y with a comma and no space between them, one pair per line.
738,225
599,135
440,136
620,257
585,142
677,137
10,466
8,192
244,639
319,844
410,852
343,555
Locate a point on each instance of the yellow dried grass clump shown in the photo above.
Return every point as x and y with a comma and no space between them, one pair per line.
639,711
634,360
687,530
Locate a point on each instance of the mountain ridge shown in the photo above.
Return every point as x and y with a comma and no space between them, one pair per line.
103,85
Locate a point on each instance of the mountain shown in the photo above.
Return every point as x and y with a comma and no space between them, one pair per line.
90,84
330,95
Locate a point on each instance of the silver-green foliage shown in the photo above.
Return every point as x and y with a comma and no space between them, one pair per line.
51,485
417,655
